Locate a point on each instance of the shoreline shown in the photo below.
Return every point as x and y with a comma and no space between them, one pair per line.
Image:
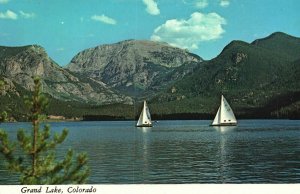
154,120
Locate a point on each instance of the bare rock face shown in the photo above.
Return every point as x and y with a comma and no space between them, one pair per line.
239,57
133,64
8,86
106,74
21,64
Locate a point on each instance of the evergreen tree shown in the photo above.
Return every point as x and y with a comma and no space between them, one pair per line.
1,84
3,115
38,163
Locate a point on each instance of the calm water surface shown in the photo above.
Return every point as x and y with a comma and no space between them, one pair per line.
256,151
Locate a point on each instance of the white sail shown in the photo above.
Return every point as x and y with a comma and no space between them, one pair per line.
225,115
217,118
145,118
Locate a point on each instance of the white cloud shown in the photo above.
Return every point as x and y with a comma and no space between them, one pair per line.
103,18
224,3
190,33
152,7
8,15
4,1
27,15
201,3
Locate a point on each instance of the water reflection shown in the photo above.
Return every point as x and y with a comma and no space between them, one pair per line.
184,152
145,129
225,129
223,153
145,141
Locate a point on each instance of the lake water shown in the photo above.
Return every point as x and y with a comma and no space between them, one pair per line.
256,151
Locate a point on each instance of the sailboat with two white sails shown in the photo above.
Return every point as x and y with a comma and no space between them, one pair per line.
225,115
145,117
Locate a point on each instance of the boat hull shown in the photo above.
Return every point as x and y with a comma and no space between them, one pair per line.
224,124
144,125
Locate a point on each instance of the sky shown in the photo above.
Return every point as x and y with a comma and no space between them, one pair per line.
204,27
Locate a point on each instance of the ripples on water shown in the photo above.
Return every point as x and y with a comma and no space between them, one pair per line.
256,151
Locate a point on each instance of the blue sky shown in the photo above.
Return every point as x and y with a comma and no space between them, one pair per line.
204,27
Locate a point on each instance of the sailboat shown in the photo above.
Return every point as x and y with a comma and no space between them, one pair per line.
145,117
225,115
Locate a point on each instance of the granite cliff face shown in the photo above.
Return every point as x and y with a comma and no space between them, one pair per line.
114,74
18,66
134,67
106,74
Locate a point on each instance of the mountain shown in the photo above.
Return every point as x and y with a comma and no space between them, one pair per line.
259,79
134,67
74,92
21,64
249,75
281,43
18,66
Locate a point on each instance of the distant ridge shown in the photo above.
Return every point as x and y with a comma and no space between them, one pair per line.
18,66
134,67
281,43
259,79
11,51
250,75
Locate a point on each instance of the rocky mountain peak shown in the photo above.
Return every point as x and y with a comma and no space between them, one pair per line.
20,64
130,64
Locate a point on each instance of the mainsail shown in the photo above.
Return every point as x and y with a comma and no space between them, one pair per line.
225,115
145,117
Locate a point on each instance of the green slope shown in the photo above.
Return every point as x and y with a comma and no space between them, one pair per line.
282,44
250,76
